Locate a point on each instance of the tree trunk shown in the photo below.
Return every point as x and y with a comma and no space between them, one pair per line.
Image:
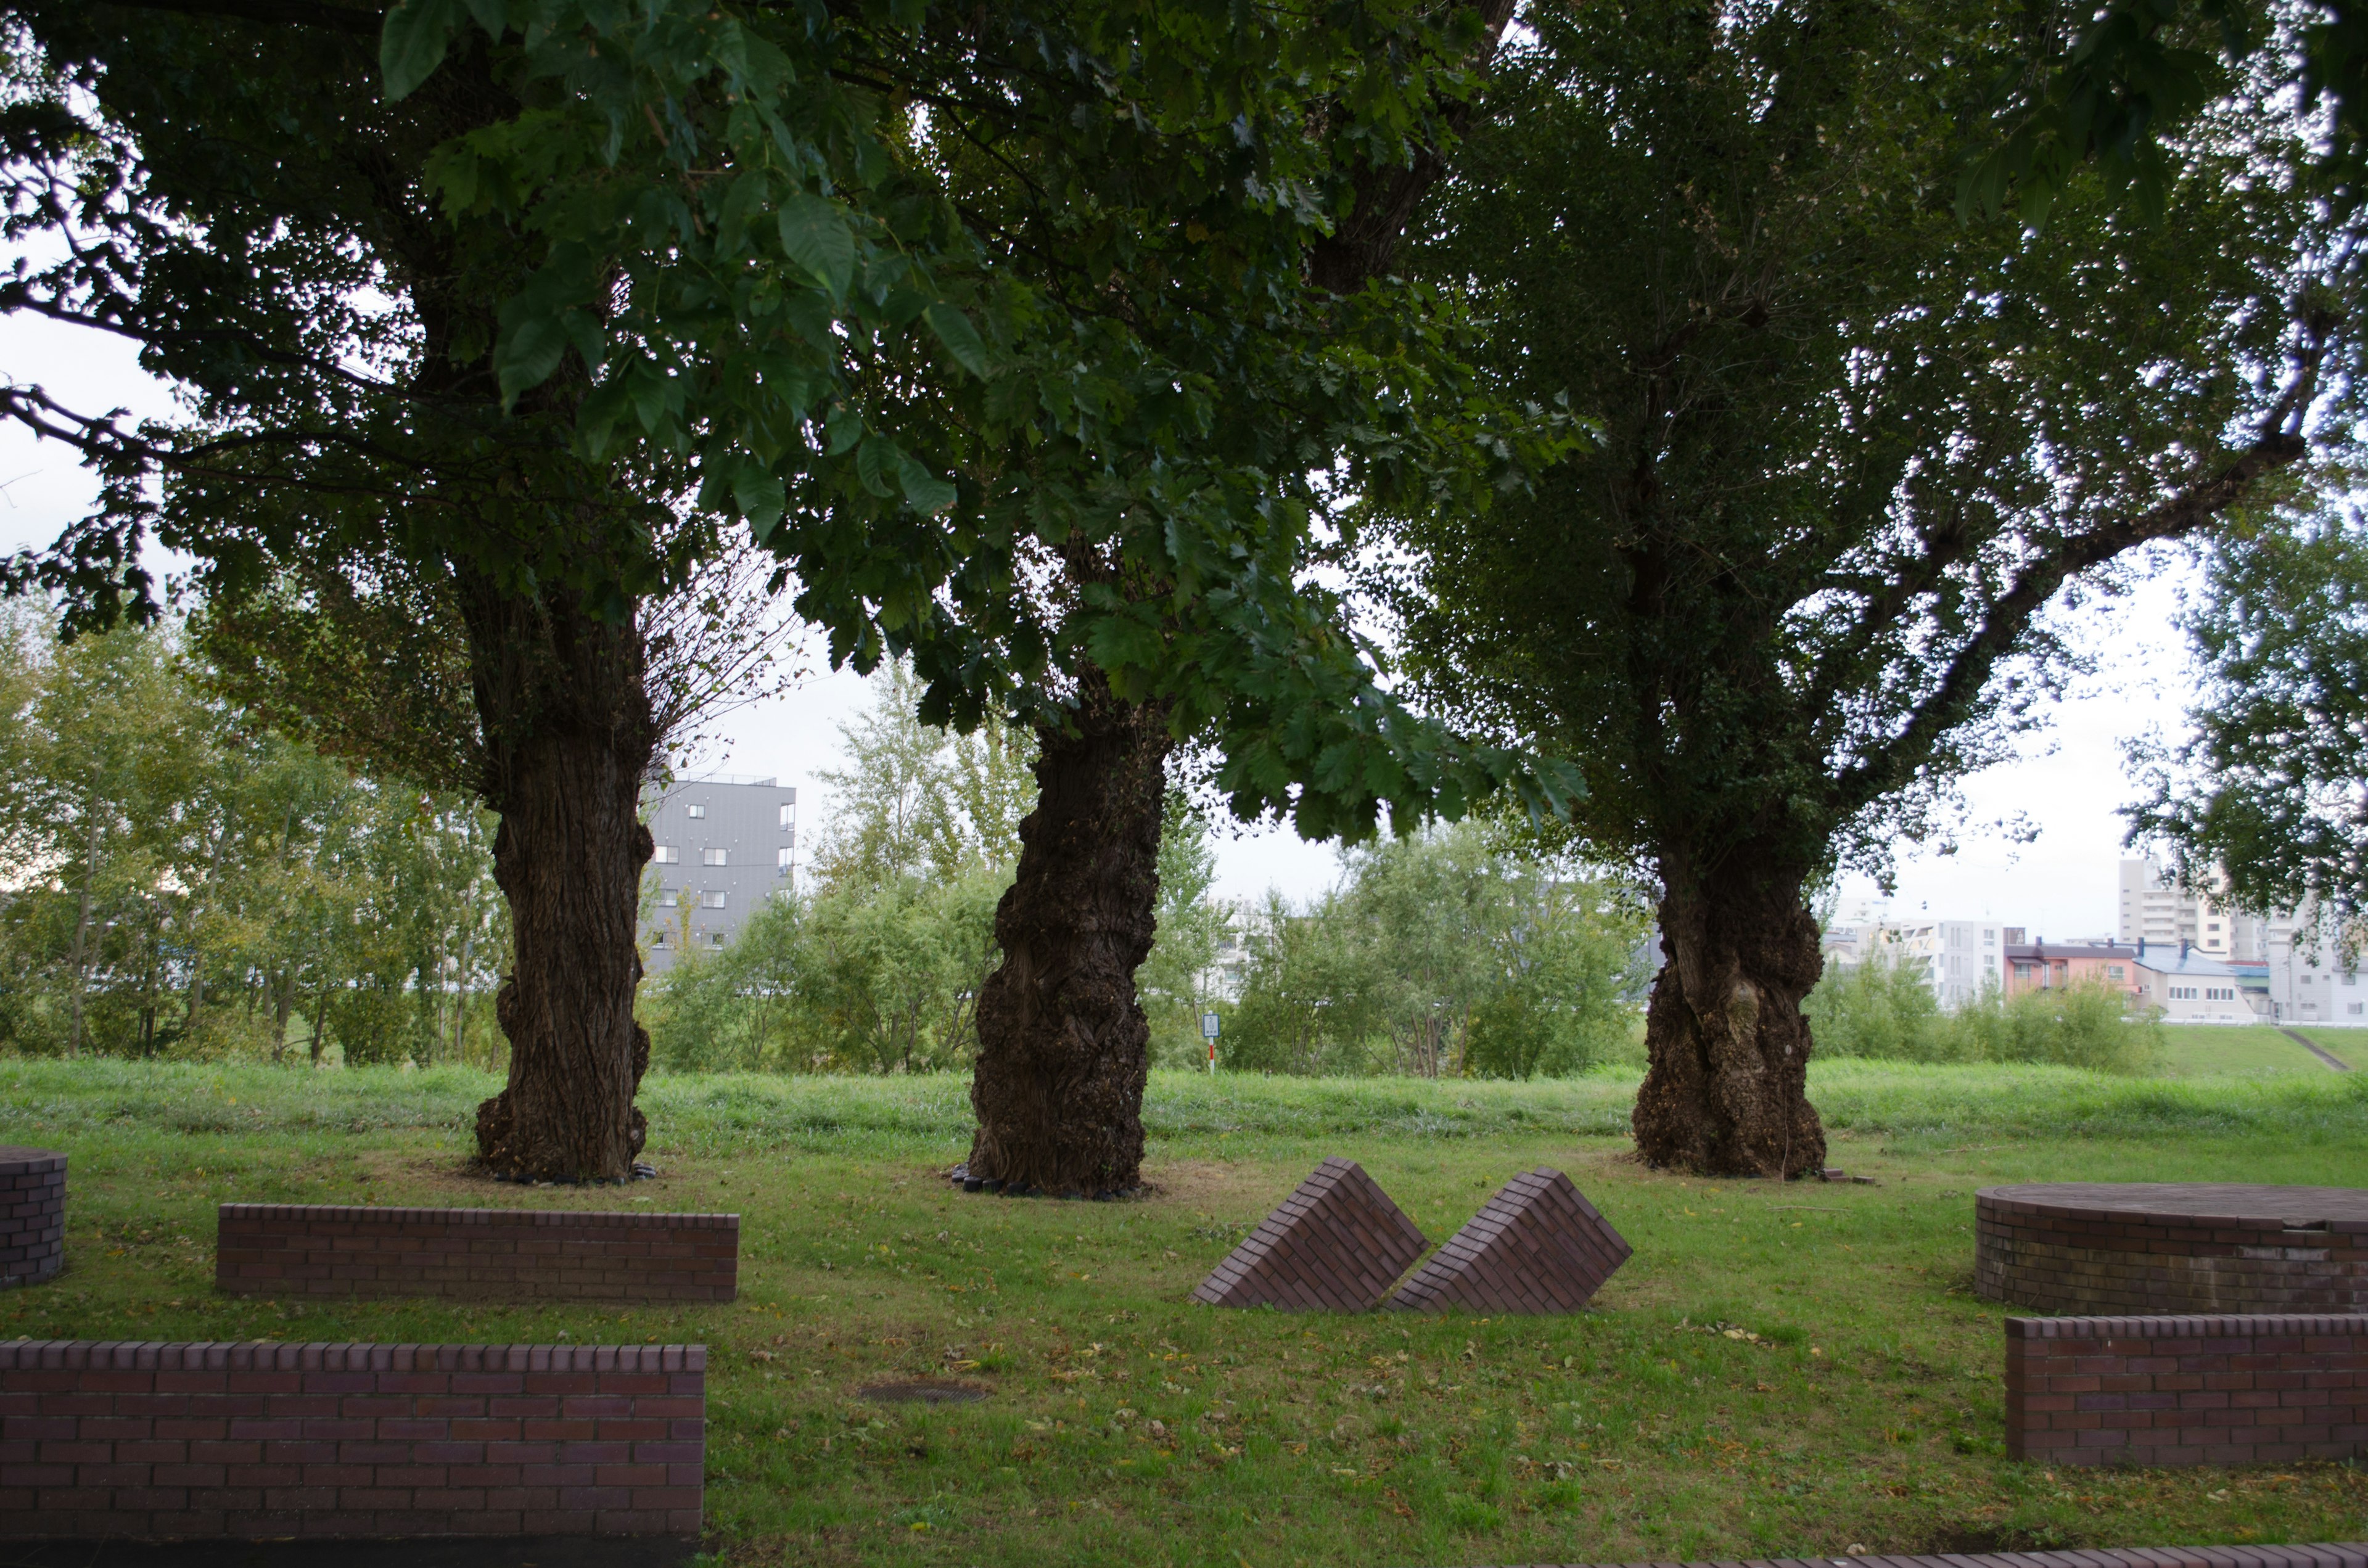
1726,1093
81,926
1063,1045
569,735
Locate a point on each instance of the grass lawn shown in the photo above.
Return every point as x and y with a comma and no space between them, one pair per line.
1779,1371
2347,1046
2247,1051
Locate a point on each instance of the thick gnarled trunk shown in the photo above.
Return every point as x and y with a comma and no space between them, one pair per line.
1064,1046
1726,1093
569,736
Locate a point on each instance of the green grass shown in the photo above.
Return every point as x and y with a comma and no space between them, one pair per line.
2251,1051
2347,1046
1866,1412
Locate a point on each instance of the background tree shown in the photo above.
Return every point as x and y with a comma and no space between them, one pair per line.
1443,954
2269,788
1851,450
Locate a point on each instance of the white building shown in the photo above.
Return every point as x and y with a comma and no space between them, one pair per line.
2309,983
2156,911
725,843
1957,959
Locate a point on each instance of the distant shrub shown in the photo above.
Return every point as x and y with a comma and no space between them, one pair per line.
1886,1012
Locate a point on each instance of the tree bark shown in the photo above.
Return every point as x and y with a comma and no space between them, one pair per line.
1726,1093
1064,1046
569,735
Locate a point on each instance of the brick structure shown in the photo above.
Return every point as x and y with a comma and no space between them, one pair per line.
2172,1390
2173,1247
32,1215
2351,1555
1538,1246
1336,1245
195,1441
302,1249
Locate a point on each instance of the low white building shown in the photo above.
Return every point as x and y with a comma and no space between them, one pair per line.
1957,959
2189,985
2309,983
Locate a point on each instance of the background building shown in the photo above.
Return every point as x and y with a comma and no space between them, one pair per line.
2154,912
726,843
2308,982
1956,958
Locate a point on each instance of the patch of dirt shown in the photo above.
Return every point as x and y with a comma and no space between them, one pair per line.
1211,1184
423,1181
923,1391
1975,1540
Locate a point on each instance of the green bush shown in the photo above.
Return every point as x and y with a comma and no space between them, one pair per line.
1886,1012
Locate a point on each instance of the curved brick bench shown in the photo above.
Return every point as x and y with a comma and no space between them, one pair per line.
308,1249
192,1441
32,1215
2261,1389
2148,1247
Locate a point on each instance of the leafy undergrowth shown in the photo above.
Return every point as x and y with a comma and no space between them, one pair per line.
1779,1371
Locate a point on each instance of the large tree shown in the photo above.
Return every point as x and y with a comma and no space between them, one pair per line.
1851,451
531,300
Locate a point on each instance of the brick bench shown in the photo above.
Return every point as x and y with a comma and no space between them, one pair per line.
2172,1248
32,1215
2264,1389
304,1249
2349,1555
196,1440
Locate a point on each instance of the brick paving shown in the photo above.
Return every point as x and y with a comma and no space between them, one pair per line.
1336,1245
2173,1247
307,1249
1538,1247
32,1215
169,1441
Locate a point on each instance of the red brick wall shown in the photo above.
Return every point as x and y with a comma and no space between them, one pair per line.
2346,1555
170,1442
301,1249
32,1215
2061,1259
2166,1390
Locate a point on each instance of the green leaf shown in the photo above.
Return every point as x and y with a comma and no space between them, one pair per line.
758,492
925,490
875,461
527,353
961,338
814,235
413,42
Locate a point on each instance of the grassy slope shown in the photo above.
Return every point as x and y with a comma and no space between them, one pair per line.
1867,1413
2258,1050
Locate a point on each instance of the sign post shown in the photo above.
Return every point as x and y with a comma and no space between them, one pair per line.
1209,1032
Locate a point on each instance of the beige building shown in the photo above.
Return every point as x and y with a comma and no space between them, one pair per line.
2154,910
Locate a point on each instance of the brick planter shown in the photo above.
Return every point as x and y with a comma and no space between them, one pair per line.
2348,1555
199,1440
2166,1247
2268,1388
302,1249
32,1215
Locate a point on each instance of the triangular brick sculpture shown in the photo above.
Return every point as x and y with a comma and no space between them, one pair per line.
1336,1245
1537,1247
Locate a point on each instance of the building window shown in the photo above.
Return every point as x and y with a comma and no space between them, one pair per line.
696,812
781,859
665,854
711,901
668,898
2115,972
657,938
715,938
2355,1009
788,816
712,857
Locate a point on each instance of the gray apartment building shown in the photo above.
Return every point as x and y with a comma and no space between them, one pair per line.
726,843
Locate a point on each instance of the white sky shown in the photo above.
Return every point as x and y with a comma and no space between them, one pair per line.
2068,781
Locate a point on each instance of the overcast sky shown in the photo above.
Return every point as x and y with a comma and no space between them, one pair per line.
2068,781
